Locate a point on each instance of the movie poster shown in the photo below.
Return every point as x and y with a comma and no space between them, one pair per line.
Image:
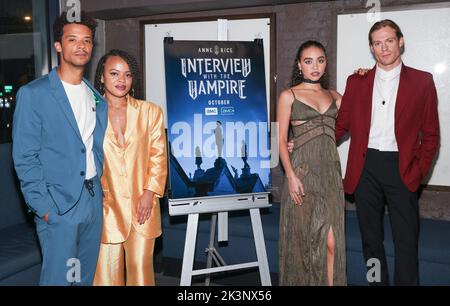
217,118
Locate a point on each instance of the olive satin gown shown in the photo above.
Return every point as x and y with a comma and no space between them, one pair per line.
304,229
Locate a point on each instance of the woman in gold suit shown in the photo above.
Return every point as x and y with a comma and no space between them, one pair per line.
134,175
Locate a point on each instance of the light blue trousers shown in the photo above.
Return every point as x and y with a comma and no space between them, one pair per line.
70,242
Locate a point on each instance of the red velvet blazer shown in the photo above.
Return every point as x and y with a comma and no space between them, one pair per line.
416,125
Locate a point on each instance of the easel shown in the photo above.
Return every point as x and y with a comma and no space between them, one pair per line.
219,206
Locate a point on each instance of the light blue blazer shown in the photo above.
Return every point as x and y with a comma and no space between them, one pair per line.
48,151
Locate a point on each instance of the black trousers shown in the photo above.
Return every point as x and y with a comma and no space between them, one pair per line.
380,183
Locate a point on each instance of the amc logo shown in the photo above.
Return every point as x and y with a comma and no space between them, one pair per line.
211,111
227,110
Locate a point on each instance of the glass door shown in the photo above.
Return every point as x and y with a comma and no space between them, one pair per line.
25,50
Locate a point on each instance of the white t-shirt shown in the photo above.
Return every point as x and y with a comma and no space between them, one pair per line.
82,101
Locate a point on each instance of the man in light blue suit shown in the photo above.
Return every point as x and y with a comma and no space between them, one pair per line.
58,130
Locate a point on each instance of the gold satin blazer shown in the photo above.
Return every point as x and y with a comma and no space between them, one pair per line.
127,171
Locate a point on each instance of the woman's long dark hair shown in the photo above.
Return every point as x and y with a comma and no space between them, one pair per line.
132,64
297,77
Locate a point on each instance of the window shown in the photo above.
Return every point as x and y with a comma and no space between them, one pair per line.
25,52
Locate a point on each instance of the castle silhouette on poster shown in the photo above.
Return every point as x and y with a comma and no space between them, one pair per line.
214,181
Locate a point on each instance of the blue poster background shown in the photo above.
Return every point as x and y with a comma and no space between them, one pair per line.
217,118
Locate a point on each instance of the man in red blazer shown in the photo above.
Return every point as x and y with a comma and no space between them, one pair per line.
391,115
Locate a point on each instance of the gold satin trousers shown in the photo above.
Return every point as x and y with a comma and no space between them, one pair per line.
135,256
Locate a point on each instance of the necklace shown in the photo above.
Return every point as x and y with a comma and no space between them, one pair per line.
116,114
389,81
380,92
311,81
384,98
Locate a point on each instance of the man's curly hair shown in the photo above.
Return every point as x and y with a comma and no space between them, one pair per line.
132,64
61,21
